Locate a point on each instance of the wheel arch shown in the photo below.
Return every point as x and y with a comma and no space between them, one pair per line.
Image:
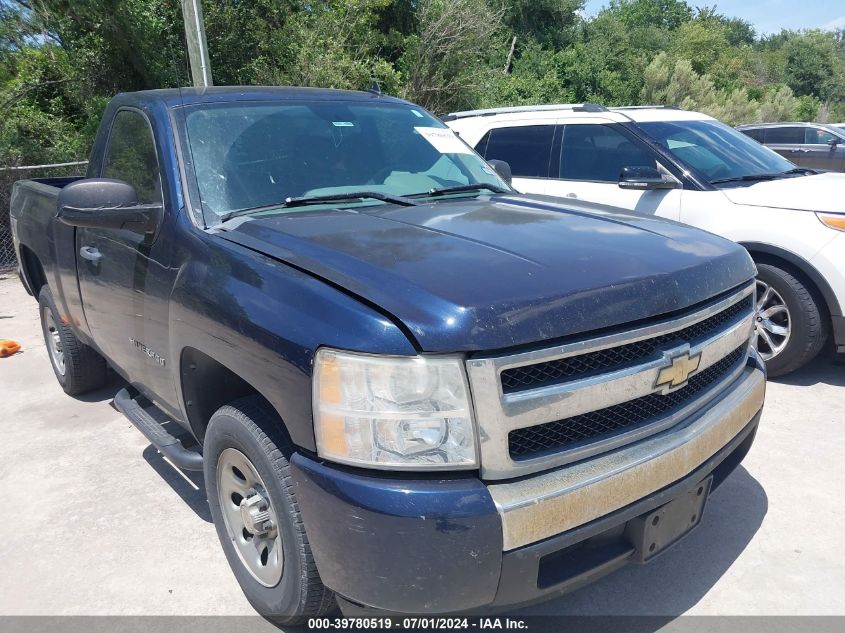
207,385
768,254
33,271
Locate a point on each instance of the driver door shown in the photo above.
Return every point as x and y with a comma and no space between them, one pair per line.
587,160
120,269
823,150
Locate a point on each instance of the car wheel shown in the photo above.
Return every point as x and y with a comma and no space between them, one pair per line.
78,367
791,327
254,507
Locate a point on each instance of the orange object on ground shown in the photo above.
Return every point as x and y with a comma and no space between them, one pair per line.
7,348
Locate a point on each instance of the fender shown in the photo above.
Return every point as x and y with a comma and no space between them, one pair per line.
804,267
263,321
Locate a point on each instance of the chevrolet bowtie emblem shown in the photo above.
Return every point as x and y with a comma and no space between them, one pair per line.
676,374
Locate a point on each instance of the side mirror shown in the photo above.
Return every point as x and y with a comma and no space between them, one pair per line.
644,179
502,168
833,142
100,203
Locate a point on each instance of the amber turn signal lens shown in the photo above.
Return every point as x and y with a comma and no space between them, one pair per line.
833,220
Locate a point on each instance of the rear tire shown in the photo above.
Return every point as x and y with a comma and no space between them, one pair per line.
248,429
78,367
786,304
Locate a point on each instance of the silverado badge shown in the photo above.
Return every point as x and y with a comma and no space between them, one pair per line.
678,372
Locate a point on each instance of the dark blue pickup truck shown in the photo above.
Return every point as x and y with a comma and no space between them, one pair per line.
410,388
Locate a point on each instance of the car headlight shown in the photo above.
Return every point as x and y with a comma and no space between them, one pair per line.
393,412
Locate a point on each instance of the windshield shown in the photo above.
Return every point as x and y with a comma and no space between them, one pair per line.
257,155
716,150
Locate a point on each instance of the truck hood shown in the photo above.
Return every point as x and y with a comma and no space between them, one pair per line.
496,272
819,192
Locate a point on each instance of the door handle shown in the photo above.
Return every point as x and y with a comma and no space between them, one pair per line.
91,254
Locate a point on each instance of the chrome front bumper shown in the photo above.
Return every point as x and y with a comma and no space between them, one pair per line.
542,506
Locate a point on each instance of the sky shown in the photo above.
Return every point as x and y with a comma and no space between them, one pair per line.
770,16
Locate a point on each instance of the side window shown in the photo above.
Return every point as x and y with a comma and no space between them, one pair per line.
756,134
526,149
785,135
130,156
598,153
817,136
481,146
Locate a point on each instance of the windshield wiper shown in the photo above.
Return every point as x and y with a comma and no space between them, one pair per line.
335,197
755,177
458,189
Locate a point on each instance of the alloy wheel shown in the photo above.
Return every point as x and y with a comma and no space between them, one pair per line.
773,322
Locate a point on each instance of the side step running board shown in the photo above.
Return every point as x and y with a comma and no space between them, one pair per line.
166,444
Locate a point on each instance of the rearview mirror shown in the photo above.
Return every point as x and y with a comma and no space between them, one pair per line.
101,203
645,179
502,168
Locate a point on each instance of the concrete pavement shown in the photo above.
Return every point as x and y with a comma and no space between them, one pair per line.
95,522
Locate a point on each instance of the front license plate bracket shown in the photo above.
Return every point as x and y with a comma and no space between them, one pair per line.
654,532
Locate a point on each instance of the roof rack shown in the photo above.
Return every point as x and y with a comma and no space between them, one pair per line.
575,107
647,107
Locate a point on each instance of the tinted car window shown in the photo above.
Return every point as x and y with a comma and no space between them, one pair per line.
130,156
818,136
526,149
757,135
598,153
785,135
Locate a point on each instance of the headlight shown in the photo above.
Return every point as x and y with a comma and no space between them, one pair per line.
393,412
833,220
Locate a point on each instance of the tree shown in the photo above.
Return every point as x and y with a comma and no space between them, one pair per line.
548,22
661,14
812,66
444,59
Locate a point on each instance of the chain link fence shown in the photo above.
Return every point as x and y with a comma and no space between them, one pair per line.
8,176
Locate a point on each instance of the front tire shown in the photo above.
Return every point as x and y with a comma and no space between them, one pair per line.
254,507
78,367
791,325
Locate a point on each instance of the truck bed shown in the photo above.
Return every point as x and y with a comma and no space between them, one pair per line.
33,212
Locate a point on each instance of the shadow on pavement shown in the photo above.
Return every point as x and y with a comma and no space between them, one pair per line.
187,484
673,583
114,383
827,368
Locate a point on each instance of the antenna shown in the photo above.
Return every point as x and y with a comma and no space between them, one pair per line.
375,88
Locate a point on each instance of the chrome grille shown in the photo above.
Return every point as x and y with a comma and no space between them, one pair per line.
604,422
545,408
615,358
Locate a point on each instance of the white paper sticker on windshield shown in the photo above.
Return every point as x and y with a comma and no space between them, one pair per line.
343,124
443,140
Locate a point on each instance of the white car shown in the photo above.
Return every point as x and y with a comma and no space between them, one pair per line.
690,167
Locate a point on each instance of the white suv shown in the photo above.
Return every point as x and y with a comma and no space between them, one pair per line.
690,167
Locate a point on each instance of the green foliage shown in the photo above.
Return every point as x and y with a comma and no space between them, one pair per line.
813,66
548,22
679,84
60,60
661,14
444,59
